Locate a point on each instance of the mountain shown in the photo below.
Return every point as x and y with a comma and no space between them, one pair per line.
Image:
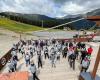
72,16
47,22
95,12
83,24
34,19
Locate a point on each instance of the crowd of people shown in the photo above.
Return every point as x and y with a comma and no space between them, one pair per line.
54,50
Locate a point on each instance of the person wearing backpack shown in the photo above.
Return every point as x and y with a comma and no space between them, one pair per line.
39,57
33,70
85,64
46,53
72,58
10,66
84,53
65,52
53,60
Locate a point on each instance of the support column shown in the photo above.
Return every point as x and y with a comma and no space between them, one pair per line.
93,74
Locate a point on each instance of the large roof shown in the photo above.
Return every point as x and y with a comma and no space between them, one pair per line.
93,18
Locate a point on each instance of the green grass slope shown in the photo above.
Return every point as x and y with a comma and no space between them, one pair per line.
17,26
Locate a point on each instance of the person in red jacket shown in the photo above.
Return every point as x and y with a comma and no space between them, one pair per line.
89,51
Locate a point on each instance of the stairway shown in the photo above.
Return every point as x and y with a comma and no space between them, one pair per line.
61,72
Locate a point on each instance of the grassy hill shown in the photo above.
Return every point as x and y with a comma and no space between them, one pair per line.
17,26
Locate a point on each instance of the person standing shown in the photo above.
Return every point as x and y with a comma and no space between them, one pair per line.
14,54
14,64
53,57
58,55
33,70
39,56
46,53
22,50
53,60
72,58
89,51
31,51
70,51
65,52
10,66
85,64
27,59
84,53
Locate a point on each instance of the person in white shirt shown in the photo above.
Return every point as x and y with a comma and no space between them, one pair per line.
33,70
14,54
53,59
58,55
85,64
10,65
27,59
70,51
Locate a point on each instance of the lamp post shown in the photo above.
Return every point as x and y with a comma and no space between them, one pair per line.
42,23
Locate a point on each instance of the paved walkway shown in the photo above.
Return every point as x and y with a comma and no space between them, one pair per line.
62,70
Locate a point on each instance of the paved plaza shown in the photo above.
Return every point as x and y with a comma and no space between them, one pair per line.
62,70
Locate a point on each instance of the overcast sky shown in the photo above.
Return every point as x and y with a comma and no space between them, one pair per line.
52,8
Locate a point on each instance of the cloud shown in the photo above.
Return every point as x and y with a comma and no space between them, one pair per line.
28,6
72,8
51,8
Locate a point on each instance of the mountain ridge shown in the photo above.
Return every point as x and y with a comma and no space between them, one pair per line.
47,22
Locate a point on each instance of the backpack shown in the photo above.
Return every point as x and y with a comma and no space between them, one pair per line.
85,63
72,56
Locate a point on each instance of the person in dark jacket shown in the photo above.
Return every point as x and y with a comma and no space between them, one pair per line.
46,53
84,53
65,52
72,58
14,64
39,59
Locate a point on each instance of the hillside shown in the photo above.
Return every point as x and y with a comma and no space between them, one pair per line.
95,12
47,22
34,19
17,26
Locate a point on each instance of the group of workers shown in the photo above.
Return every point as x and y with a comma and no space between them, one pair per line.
54,50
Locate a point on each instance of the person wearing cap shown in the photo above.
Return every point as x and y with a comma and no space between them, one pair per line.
10,66
33,70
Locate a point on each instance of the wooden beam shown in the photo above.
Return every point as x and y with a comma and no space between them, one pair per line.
96,65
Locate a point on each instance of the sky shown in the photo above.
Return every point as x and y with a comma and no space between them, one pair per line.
52,8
